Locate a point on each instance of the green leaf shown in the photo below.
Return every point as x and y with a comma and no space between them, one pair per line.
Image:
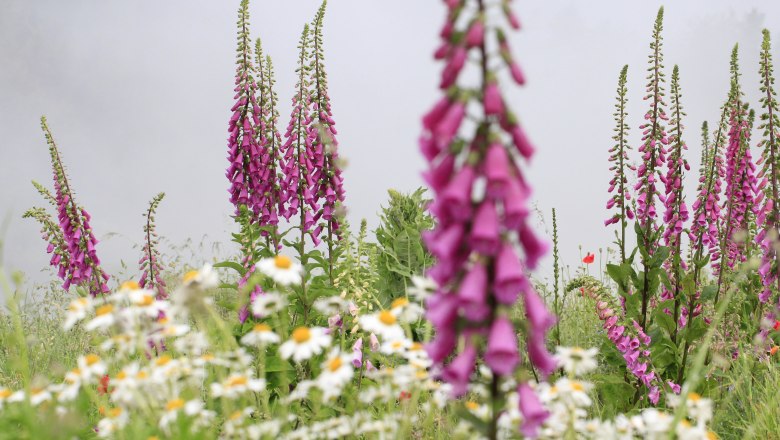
232,265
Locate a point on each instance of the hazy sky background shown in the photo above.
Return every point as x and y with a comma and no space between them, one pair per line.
138,97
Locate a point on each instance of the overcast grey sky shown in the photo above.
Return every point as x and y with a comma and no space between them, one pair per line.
138,97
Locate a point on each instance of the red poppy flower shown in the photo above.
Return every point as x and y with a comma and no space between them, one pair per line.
405,395
588,258
777,325
103,386
773,350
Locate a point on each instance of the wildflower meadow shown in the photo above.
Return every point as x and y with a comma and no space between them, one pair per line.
435,324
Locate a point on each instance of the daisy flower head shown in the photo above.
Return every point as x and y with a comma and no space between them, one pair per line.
304,343
384,323
90,366
237,384
282,269
331,305
204,278
396,346
336,372
574,391
422,287
105,317
77,310
260,335
575,360
114,420
268,303
174,406
405,310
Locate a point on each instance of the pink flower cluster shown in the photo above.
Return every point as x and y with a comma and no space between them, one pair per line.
740,185
633,343
481,209
706,207
82,266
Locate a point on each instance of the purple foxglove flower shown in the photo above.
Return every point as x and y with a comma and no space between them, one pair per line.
501,355
473,294
357,353
497,172
509,278
532,410
485,237
459,371
492,101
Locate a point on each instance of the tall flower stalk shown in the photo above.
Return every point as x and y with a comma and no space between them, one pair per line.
556,279
740,180
245,155
269,139
300,159
768,216
618,185
653,153
72,242
150,264
676,213
479,231
329,182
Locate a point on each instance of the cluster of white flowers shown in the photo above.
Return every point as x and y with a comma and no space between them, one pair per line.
568,398
155,358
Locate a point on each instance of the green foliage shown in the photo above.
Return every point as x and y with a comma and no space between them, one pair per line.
401,252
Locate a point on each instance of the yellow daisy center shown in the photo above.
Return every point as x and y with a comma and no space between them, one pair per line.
115,412
301,335
129,285
577,386
695,397
174,405
416,346
282,262
77,304
334,364
154,437
146,300
189,276
236,415
142,375
5,393
386,317
399,302
472,405
92,359
238,381
104,310
712,436
397,344
207,357
262,328
162,360
121,375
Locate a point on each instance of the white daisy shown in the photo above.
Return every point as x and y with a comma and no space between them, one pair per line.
331,305
267,304
174,406
576,360
77,310
260,335
405,310
104,318
336,373
281,269
5,394
422,287
383,323
205,278
91,366
237,384
396,346
114,420
574,391
304,343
